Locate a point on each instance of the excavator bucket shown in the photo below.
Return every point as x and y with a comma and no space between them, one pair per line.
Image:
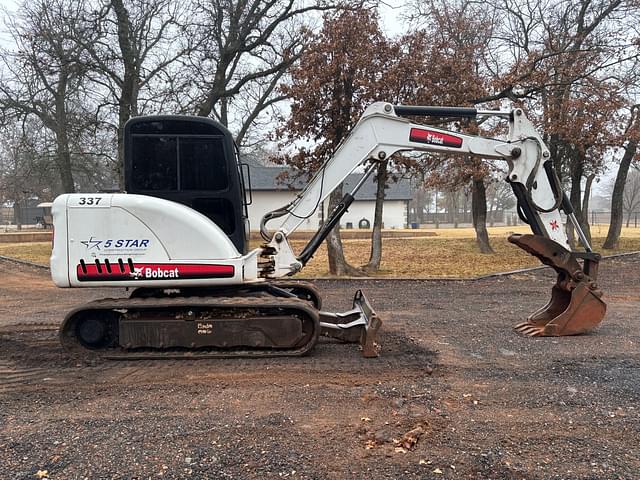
358,325
576,306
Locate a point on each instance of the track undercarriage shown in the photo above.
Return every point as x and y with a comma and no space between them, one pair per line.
261,320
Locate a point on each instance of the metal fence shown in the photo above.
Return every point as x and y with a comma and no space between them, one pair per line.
509,218
27,215
629,219
497,216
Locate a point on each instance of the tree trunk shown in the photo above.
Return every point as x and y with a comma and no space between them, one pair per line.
454,204
64,159
420,201
492,211
224,111
577,171
60,129
17,214
127,103
338,265
123,116
465,208
479,215
437,218
375,256
585,204
615,225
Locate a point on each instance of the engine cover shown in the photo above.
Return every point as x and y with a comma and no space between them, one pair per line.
141,241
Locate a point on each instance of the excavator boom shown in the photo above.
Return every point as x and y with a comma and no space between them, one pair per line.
383,131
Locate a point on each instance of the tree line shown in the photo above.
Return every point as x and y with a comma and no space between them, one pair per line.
76,71
573,66
300,73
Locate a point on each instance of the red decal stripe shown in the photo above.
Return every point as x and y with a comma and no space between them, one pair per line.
432,137
151,271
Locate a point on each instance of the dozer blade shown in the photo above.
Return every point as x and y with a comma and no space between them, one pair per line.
576,306
358,325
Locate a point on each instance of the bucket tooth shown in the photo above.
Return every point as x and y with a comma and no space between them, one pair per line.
576,306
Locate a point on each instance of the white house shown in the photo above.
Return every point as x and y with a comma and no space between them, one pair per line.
272,188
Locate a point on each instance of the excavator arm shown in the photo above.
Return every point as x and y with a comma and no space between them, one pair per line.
384,130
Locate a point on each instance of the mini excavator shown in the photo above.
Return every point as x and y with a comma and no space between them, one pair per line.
178,239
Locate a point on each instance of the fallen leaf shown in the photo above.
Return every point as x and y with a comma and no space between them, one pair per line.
410,438
438,471
365,419
42,474
370,444
400,450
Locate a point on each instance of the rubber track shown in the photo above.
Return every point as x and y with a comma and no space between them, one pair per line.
240,303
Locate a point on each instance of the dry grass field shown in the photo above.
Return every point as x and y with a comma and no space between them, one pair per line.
445,252
36,252
453,253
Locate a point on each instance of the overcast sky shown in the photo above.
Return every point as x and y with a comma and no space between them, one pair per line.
5,6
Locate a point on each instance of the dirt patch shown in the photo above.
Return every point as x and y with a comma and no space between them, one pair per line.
479,400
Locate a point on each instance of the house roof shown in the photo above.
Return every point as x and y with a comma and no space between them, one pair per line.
283,179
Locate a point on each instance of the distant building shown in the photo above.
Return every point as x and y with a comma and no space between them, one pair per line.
26,212
274,187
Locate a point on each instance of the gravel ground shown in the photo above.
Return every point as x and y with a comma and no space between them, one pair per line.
471,398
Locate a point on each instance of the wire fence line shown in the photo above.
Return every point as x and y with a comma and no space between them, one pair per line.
509,218
630,219
36,216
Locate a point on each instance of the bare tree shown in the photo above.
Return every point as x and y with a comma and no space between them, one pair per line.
630,149
134,44
330,87
631,197
44,76
500,197
244,50
571,61
25,170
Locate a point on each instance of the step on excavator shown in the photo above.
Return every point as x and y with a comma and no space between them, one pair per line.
178,239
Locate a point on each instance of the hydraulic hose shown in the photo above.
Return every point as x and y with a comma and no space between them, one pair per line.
282,211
